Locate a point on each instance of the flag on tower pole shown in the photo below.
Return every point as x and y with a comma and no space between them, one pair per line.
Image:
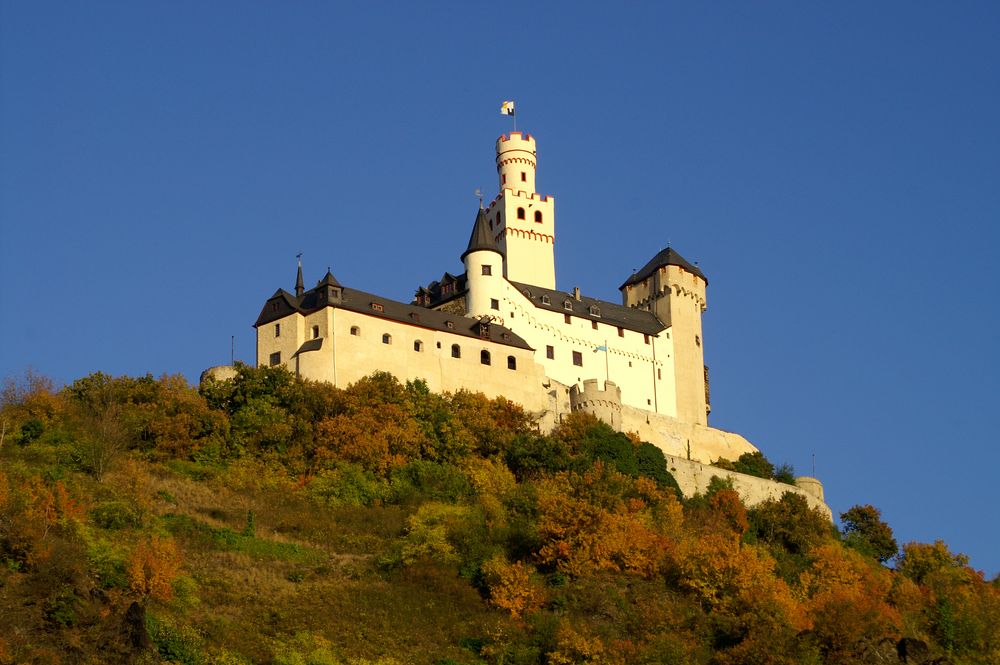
507,108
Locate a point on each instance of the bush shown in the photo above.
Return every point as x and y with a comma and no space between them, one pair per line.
652,463
117,515
348,484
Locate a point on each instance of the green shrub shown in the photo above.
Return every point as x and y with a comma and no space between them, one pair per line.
176,644
785,474
429,481
652,463
348,484
117,515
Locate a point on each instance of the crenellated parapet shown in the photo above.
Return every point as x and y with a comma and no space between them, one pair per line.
605,403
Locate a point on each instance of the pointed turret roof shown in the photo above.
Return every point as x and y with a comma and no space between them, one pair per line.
666,257
300,286
328,279
482,236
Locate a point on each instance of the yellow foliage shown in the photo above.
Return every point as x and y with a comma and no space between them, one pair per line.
490,477
510,586
575,647
152,568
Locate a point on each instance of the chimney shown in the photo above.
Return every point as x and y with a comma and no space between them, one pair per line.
576,292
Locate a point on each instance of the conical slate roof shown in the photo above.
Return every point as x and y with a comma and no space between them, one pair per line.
300,286
666,257
329,279
482,236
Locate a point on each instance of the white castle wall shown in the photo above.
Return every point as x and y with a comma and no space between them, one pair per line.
694,477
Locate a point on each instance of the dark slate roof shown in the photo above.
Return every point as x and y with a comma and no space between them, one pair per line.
611,313
435,293
666,257
482,236
328,279
282,303
299,284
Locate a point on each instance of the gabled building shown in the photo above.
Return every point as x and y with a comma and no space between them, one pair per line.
503,328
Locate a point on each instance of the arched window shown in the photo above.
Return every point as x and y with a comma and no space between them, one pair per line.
511,362
520,213
356,331
538,216
456,351
315,332
418,346
387,338
484,357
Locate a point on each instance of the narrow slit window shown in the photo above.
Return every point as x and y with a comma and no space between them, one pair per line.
456,351
550,352
538,216
520,213
315,332
277,330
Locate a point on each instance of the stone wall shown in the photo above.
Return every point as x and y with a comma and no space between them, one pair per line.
694,477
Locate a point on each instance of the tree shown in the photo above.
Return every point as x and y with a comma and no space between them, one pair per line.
865,531
152,568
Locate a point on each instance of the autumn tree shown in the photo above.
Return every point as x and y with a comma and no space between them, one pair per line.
152,567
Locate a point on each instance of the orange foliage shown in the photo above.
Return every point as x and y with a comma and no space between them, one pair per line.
730,509
586,529
737,579
379,439
152,568
510,586
847,598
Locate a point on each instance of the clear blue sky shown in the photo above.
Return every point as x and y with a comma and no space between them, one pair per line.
833,167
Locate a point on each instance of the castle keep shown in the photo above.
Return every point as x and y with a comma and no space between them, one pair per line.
503,328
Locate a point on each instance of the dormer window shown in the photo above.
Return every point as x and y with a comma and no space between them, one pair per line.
377,307
546,300
595,310
414,316
449,324
568,304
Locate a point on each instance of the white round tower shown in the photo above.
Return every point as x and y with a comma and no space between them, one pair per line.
516,162
483,269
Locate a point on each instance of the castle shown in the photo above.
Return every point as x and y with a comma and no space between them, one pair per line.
503,328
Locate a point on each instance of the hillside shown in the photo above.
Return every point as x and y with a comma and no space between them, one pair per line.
271,520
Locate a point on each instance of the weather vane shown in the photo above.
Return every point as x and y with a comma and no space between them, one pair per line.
479,194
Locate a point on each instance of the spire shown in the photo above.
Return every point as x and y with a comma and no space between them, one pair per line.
299,285
482,236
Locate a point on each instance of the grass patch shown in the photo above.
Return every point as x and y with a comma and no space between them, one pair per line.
231,541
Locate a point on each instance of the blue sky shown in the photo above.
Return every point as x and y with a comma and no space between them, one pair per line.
834,168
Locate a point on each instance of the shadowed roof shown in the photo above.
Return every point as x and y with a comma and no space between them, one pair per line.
283,303
666,257
610,313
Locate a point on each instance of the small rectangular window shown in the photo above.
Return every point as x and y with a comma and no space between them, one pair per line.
275,359
550,352
487,270
277,330
494,303
377,307
578,359
315,330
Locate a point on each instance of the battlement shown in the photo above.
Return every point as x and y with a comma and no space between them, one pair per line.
514,141
605,403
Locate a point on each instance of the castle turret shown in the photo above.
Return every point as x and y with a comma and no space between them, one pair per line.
674,290
483,267
521,220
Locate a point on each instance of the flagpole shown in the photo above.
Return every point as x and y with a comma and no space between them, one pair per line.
607,370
